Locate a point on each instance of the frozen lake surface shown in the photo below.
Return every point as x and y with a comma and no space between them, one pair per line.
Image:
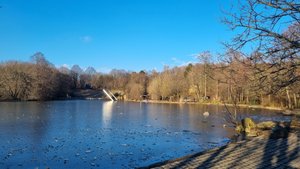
103,134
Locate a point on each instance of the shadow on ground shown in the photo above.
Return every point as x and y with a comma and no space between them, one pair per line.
279,150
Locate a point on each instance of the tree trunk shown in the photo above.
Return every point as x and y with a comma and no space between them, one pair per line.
289,98
295,101
247,98
198,92
242,96
217,94
228,92
205,86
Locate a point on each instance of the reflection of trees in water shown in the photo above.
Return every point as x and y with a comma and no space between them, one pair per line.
25,121
10,115
39,120
72,111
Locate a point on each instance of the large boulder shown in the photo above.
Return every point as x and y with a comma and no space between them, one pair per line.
247,127
266,125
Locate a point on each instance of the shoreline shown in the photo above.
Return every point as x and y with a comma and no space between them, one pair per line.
160,102
156,101
217,104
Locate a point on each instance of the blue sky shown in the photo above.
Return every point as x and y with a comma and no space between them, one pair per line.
124,34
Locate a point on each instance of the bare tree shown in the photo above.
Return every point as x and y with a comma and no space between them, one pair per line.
75,79
272,28
46,80
136,86
154,86
15,80
194,78
205,59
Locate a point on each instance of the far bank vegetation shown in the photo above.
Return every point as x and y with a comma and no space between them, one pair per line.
211,82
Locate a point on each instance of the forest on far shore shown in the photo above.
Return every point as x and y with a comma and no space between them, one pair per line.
268,75
230,81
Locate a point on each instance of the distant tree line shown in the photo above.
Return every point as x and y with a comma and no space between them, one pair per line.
228,81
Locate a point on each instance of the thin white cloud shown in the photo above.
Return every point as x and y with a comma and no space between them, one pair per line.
86,39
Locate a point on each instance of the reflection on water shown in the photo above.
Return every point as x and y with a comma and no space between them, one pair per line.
107,112
93,134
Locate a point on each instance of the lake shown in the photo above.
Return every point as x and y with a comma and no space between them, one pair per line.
104,134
